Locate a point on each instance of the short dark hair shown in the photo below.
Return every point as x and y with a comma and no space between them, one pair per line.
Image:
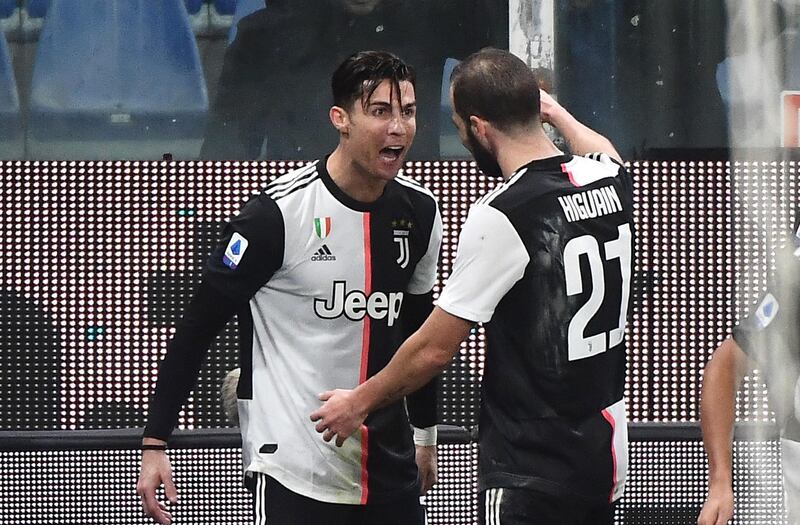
361,73
497,86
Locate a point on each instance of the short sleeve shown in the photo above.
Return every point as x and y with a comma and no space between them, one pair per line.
250,252
754,332
775,321
604,158
770,336
491,258
622,172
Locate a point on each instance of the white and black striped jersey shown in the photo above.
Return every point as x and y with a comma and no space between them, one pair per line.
328,288
544,260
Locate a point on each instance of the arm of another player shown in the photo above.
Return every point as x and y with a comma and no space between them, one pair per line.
421,404
721,379
480,279
757,339
580,138
419,359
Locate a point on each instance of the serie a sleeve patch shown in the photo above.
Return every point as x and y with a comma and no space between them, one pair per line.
235,251
767,310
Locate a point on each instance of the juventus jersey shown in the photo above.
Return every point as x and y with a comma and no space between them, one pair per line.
544,261
327,282
770,336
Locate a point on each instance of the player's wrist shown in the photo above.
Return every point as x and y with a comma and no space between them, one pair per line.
151,443
720,482
362,405
426,437
364,398
558,117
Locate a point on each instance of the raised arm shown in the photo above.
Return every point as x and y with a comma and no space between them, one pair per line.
580,138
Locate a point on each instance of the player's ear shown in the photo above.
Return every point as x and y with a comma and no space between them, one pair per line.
340,119
479,128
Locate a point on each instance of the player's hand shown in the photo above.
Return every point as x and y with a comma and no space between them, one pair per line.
427,464
549,109
338,416
156,470
718,509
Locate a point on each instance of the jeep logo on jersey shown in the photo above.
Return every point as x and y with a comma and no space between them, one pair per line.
355,304
322,226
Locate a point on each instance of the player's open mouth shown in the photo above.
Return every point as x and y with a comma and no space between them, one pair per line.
391,153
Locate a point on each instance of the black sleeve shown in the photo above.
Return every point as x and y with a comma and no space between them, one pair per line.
422,409
251,250
206,315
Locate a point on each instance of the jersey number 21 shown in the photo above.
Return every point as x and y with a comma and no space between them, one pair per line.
579,344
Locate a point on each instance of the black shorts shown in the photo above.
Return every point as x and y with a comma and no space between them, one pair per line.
274,504
513,506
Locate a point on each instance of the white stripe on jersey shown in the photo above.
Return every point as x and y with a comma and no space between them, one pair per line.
487,505
290,177
297,182
499,190
300,184
497,507
492,502
413,184
616,415
604,158
261,496
401,175
491,193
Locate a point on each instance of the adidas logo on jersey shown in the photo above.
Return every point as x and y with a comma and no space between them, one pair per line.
323,254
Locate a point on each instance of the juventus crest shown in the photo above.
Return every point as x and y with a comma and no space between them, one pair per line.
401,229
401,239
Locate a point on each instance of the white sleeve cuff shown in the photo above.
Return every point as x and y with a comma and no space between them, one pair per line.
425,437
